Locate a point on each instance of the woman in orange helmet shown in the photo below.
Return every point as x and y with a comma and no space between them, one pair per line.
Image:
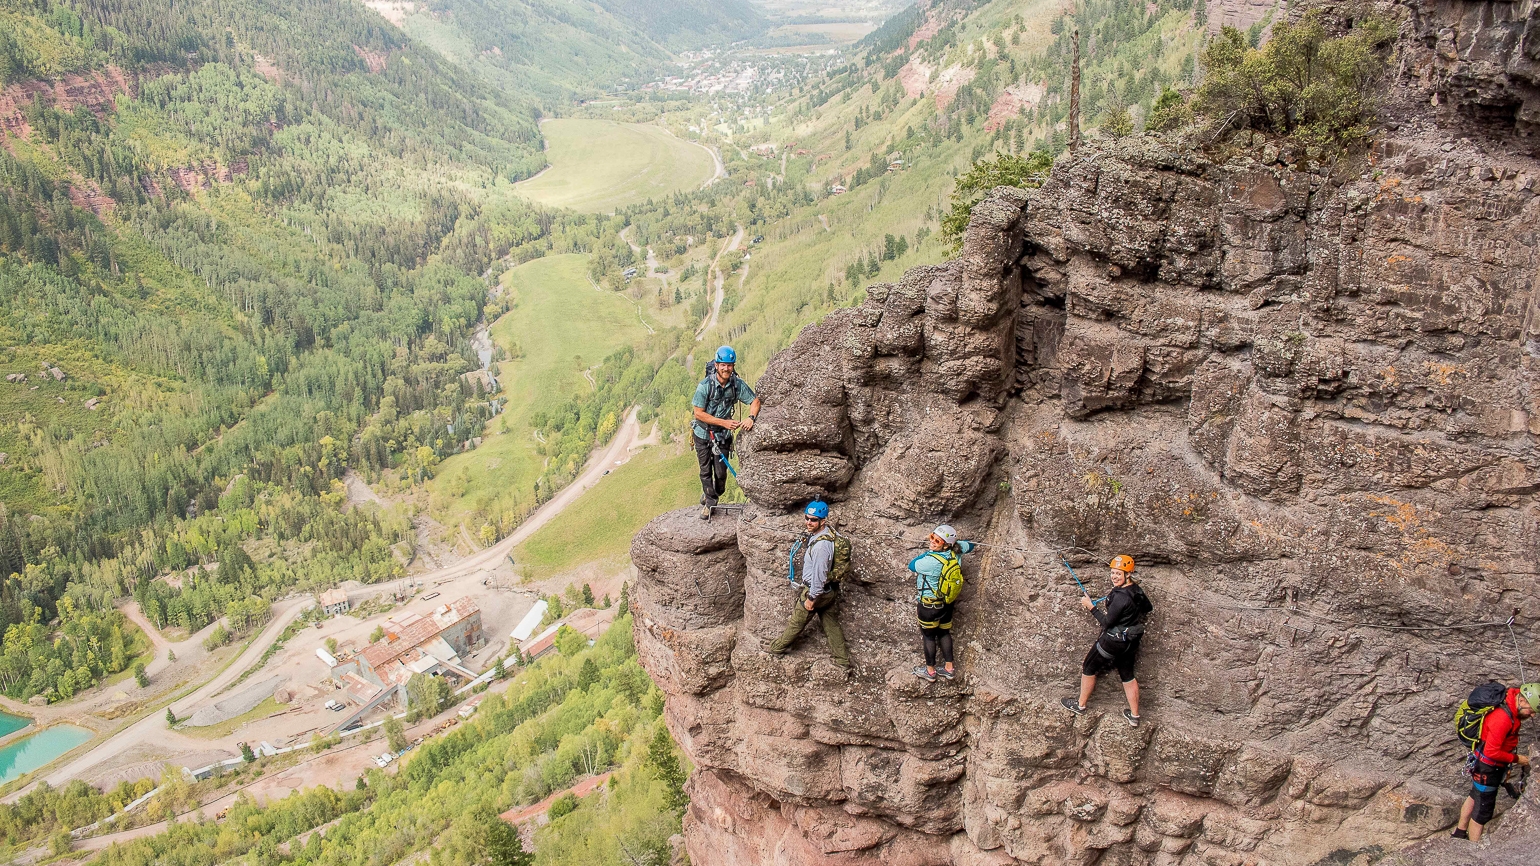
1118,645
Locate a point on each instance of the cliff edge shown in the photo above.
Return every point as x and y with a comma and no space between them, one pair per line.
1304,398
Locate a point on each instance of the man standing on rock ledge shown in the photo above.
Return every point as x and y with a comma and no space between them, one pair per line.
716,402
823,563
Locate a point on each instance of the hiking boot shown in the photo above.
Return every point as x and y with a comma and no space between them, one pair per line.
705,512
1133,720
1459,834
924,674
946,674
1071,705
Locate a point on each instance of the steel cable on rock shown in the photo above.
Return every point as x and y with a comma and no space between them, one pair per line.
1291,609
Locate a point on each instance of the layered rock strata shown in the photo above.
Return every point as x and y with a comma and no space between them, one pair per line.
1304,399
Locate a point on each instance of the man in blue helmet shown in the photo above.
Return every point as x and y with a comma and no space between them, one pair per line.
716,402
819,562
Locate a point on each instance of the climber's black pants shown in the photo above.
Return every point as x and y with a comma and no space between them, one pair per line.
713,471
935,631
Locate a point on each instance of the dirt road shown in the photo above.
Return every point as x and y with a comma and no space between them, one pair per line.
154,724
716,305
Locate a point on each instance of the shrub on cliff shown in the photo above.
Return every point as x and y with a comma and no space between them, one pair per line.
1304,82
1171,111
1004,170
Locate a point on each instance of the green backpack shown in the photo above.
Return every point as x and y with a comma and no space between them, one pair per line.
949,587
839,568
1473,711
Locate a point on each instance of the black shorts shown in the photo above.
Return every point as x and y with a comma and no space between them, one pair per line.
1486,781
932,617
1107,654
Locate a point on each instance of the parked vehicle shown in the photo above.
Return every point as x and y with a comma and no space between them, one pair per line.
334,706
430,596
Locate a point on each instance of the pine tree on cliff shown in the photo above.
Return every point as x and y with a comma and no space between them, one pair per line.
664,763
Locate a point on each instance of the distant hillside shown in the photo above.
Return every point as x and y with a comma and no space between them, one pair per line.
241,250
555,51
689,23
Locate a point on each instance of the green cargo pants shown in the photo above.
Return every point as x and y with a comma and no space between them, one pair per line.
826,609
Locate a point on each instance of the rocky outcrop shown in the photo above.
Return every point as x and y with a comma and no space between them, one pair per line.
1305,400
1480,61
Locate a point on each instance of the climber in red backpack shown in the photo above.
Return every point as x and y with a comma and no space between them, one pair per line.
1495,750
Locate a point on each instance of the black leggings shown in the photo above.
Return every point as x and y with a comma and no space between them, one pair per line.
935,631
937,639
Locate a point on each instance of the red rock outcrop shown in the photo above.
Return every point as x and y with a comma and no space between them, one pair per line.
1303,398
94,90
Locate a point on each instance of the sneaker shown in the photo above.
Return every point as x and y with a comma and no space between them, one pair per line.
1133,720
946,674
1459,834
1072,706
924,674
705,512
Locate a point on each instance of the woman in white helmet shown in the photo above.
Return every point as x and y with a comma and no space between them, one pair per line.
937,583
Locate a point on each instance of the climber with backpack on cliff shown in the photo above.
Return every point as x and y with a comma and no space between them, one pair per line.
1118,645
1488,722
715,406
819,563
937,584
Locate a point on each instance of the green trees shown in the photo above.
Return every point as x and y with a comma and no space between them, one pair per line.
87,645
570,641
1171,111
395,734
665,765
1304,82
487,839
426,695
562,806
1003,170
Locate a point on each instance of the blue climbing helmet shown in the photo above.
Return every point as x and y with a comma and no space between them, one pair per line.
726,355
817,508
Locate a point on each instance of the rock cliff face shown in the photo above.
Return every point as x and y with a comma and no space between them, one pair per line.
1306,402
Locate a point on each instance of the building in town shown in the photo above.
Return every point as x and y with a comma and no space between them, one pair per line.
334,601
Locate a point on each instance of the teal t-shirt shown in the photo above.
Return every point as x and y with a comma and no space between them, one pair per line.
719,400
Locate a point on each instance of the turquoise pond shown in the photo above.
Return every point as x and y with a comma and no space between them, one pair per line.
10,724
29,753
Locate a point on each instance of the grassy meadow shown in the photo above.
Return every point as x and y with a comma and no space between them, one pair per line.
558,327
599,525
599,165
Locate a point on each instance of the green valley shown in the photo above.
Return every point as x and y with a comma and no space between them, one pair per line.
599,165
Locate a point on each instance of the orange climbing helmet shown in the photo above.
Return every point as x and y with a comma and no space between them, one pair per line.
1122,563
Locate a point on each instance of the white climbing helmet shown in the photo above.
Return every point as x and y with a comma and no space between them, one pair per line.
946,533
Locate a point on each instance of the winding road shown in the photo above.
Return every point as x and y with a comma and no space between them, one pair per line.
716,304
153,725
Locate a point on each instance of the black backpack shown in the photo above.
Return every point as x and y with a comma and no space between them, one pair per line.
1474,710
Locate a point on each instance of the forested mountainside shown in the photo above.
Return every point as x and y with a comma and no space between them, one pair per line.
243,250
